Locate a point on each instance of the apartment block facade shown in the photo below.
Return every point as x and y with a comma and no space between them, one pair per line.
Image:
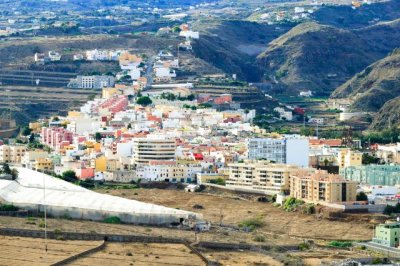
260,176
168,171
321,186
146,150
348,157
56,137
12,154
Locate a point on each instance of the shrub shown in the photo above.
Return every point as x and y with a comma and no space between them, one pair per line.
361,196
218,181
252,223
113,220
291,204
200,188
259,238
377,261
304,246
308,209
262,199
389,209
274,198
129,254
8,208
198,206
340,244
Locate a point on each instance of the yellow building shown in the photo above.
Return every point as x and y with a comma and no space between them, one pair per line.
108,93
43,165
11,154
100,164
113,165
348,157
321,186
74,114
35,127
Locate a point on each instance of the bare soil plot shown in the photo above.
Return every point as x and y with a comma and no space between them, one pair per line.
234,209
142,254
242,258
31,251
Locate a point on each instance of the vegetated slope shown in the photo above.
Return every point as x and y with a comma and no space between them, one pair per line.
347,17
374,86
233,46
315,57
388,115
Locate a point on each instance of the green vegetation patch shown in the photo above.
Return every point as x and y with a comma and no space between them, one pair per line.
252,223
340,244
113,220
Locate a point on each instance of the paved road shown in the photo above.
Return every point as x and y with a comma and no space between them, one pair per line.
149,71
386,251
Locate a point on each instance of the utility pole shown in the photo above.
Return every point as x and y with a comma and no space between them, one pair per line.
45,217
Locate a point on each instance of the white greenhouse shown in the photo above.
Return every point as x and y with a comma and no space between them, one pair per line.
63,199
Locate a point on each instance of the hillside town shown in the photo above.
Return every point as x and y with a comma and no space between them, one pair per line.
200,132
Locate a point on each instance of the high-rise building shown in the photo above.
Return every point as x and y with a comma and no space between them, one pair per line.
286,150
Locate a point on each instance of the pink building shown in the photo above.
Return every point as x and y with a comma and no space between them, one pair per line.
115,104
84,173
56,137
203,98
224,98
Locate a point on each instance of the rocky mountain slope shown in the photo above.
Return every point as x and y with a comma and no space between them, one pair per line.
374,86
321,58
233,46
388,115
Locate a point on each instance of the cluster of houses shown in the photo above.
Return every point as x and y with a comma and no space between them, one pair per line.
113,138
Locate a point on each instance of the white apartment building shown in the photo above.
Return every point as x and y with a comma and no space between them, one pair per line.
260,176
168,172
153,149
290,149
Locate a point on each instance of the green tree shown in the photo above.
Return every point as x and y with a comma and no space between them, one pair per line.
14,173
6,169
97,136
361,196
69,176
369,159
32,138
176,29
144,101
191,97
26,131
